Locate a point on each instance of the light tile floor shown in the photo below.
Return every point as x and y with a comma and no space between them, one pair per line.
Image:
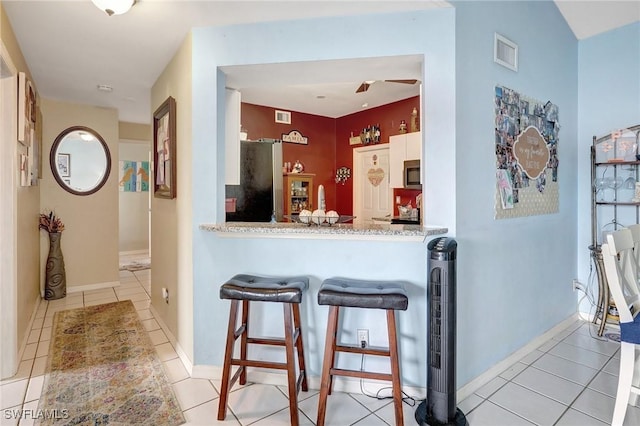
569,380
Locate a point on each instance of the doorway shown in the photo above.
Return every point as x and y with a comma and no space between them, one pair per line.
372,195
8,217
134,201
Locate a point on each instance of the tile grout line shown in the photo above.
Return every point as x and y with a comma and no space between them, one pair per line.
569,406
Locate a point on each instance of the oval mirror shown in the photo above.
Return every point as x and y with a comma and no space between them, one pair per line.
80,160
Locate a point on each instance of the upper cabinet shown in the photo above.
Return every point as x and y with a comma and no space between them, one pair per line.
403,147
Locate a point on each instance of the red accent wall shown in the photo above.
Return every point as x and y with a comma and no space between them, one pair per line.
388,117
406,196
328,147
318,156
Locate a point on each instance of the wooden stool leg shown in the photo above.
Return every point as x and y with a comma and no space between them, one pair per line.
243,340
327,364
395,366
291,363
228,354
333,345
300,346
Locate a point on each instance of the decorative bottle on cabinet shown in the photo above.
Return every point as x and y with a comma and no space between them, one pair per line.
415,121
298,193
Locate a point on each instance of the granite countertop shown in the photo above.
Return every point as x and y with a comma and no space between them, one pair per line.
340,230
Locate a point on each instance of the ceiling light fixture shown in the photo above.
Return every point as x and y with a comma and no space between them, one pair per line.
114,7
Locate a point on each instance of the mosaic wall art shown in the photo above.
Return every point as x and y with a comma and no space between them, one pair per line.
526,146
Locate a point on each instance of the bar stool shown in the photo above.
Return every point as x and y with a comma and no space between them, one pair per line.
345,292
285,290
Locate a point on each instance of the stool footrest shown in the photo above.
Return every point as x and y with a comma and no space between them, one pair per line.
360,374
263,364
272,342
239,331
299,382
366,351
235,377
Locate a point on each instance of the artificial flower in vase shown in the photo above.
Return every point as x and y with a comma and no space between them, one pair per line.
55,284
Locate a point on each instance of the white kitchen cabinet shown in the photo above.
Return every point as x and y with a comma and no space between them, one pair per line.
414,146
232,138
401,148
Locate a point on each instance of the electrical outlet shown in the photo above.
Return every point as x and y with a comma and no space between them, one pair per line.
363,337
165,294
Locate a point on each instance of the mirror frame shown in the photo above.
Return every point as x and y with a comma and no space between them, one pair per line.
54,167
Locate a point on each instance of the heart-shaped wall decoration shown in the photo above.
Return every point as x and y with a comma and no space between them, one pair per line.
375,176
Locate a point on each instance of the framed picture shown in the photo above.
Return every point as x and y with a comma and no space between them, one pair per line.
64,164
164,150
26,109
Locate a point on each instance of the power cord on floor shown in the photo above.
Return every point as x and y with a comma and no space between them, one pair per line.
407,399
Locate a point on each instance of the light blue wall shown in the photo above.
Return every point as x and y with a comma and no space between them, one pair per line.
514,275
609,99
216,259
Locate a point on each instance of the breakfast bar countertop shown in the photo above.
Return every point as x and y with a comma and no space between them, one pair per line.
336,231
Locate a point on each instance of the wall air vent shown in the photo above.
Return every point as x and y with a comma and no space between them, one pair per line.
283,117
505,52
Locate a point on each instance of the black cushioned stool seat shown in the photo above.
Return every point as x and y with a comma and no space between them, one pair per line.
367,294
252,288
363,294
265,289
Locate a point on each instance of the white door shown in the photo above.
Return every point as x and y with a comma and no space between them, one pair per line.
372,195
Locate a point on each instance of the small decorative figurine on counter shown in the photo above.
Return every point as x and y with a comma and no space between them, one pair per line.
403,126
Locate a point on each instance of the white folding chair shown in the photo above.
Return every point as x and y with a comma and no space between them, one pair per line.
621,271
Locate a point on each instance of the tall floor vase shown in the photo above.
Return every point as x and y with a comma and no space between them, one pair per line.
55,286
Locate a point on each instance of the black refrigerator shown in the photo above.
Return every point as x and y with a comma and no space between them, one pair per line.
259,195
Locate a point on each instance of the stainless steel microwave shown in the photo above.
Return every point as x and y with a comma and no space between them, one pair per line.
411,174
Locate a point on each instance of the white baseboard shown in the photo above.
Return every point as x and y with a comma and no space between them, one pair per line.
184,358
96,286
498,368
133,252
23,344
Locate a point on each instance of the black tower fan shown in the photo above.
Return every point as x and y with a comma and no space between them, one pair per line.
440,406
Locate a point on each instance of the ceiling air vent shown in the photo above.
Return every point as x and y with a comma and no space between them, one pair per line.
505,52
283,117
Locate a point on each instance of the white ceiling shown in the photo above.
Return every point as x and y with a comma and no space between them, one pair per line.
71,47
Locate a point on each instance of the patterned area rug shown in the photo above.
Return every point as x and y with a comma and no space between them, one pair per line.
136,265
102,369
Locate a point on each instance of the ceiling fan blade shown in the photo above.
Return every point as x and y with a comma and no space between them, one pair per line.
363,87
403,81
